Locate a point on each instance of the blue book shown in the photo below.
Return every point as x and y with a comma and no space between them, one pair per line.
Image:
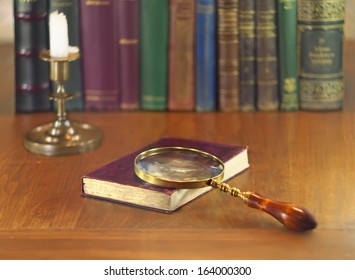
206,55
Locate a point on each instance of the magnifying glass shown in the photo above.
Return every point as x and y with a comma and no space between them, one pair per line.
186,168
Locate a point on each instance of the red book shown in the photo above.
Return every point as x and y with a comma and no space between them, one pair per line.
99,55
117,181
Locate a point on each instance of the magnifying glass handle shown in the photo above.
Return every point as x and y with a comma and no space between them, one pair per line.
292,216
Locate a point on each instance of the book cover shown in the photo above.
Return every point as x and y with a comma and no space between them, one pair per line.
32,85
247,56
181,94
99,55
320,51
206,55
154,34
71,10
267,56
228,55
117,181
127,15
287,42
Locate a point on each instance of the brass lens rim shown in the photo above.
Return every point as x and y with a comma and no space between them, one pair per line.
175,184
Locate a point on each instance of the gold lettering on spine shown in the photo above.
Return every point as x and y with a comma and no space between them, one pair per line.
321,10
62,4
97,3
126,41
247,24
28,1
266,27
318,91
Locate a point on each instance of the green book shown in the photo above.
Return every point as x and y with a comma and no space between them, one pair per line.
154,23
287,41
321,38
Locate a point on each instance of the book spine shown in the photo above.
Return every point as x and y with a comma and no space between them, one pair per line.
287,42
266,56
71,9
154,32
247,49
127,14
321,39
181,55
228,55
31,73
99,55
206,53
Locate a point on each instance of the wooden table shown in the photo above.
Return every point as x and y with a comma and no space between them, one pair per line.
304,157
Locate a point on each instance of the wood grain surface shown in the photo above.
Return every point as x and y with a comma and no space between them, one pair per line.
303,157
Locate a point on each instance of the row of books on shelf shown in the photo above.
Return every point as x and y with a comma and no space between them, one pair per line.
203,55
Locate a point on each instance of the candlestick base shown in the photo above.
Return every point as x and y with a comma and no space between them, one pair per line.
55,139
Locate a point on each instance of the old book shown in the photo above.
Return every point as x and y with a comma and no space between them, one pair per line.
31,73
117,181
267,56
321,38
127,15
71,10
206,55
247,55
228,55
181,94
154,30
99,55
287,42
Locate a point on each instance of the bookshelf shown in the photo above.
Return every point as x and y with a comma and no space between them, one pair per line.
6,27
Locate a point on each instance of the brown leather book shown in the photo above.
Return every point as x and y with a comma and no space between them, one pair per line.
181,55
228,55
247,47
266,56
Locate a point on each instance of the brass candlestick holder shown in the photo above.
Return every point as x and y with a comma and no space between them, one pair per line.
62,136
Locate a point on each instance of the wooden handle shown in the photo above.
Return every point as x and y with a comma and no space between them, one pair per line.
292,216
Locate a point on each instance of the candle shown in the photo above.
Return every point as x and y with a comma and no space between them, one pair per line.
58,35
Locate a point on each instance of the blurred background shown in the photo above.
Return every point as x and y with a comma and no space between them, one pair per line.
6,20
7,97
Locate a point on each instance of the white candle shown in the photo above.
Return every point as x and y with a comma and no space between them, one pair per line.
58,35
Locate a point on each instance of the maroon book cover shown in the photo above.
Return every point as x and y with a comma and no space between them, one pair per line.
99,55
127,15
121,171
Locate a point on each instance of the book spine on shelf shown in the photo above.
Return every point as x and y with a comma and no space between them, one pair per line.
206,53
127,15
266,56
31,73
287,42
154,24
74,85
99,55
181,94
320,48
247,49
228,55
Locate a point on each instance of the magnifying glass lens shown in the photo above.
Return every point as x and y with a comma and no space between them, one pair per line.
180,165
